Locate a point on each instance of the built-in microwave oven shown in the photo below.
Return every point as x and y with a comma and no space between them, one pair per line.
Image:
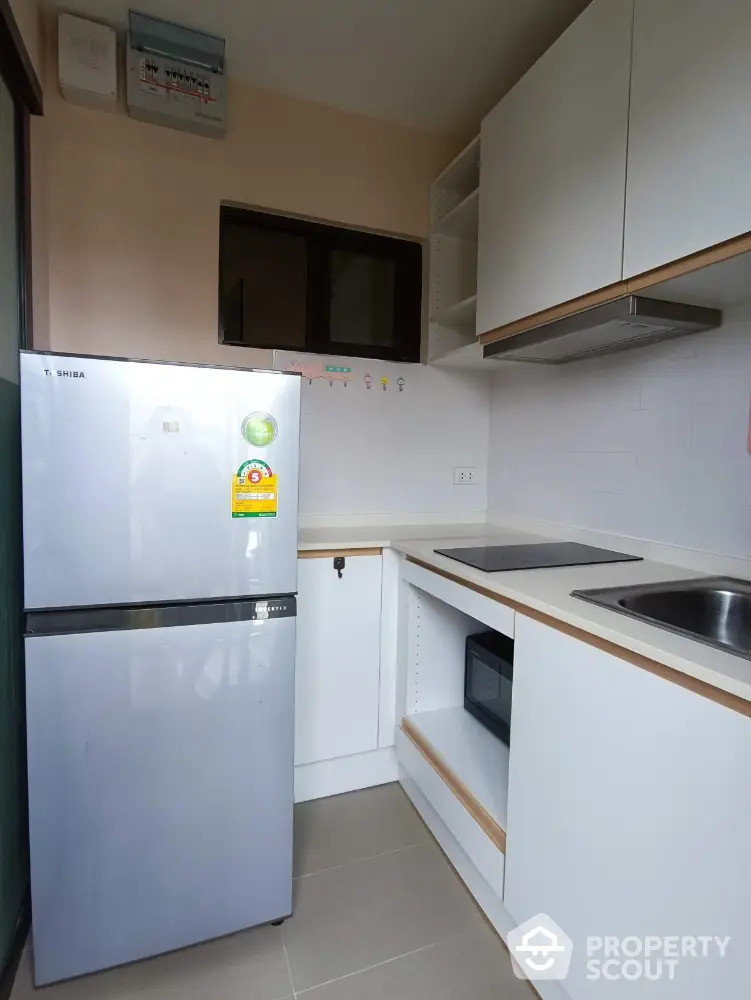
488,681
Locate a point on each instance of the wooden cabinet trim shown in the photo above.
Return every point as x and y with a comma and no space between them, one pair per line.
483,819
732,701
693,262
597,298
639,283
328,553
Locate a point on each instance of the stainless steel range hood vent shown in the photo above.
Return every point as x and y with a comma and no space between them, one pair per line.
629,321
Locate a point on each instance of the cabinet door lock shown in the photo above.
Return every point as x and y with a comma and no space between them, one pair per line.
339,565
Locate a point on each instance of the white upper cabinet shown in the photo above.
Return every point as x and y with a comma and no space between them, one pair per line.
689,153
553,172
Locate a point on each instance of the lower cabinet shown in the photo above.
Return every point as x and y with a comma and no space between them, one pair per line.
338,657
629,818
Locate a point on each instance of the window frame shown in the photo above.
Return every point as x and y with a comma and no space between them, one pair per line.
23,225
321,241
26,92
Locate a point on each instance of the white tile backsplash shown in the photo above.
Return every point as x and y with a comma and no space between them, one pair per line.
375,452
650,443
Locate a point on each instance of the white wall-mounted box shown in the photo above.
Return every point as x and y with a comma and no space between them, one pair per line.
87,62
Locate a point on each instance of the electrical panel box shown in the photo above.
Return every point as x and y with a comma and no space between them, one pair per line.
87,62
175,76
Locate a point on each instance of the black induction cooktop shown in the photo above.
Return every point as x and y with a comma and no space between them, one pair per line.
539,555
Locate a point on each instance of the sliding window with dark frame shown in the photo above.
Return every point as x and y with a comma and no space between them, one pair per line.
290,284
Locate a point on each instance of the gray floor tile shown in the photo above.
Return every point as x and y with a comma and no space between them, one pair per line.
353,827
347,919
473,966
246,966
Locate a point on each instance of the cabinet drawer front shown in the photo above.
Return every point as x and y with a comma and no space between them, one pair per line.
480,849
338,657
628,811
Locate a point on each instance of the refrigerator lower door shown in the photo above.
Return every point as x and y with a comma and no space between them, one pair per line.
131,491
160,788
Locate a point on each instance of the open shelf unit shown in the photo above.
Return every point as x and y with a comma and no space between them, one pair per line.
454,184
454,220
477,758
463,219
446,757
460,315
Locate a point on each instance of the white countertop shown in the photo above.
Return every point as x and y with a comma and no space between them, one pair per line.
549,591
383,536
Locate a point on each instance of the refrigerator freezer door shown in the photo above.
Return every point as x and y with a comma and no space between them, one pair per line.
160,788
128,473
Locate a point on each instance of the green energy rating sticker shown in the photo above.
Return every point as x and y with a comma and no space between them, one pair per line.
259,429
254,490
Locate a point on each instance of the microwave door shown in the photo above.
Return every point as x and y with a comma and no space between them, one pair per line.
488,688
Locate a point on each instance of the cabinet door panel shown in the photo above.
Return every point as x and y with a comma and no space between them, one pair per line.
553,173
628,812
689,154
338,658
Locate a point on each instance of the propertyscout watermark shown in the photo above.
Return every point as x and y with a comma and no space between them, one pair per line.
651,957
540,949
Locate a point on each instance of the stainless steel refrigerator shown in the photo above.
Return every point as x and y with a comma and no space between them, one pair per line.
160,568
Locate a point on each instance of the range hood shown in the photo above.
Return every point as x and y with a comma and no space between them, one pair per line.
628,321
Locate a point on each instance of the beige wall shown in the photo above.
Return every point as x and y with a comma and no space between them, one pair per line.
129,211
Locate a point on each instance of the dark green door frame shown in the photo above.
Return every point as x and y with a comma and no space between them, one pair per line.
21,80
25,94
15,65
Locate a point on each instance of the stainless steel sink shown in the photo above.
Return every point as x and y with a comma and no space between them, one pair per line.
715,610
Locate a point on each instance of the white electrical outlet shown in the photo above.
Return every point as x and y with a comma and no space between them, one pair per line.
465,475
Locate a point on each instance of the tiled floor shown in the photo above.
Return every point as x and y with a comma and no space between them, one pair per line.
379,912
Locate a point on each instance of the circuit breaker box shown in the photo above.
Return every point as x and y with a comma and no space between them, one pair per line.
176,76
